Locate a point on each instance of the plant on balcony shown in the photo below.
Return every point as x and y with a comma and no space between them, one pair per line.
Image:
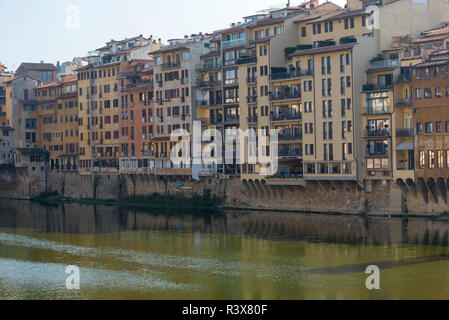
288,51
292,69
368,87
326,43
345,40
275,70
379,57
107,58
300,47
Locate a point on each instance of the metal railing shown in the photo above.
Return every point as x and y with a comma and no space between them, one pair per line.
289,75
286,117
171,65
285,96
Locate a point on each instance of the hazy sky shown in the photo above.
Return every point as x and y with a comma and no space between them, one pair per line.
48,30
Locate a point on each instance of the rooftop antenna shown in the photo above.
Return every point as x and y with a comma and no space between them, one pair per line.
288,4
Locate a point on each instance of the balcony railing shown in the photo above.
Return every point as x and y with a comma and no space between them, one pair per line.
286,117
404,103
251,80
251,99
373,111
232,119
404,132
377,133
294,153
385,64
252,119
171,65
373,87
208,66
285,96
203,103
286,176
289,75
233,43
209,84
246,60
289,137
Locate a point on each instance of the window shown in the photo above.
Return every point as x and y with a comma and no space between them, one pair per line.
419,128
186,55
421,160
431,159
429,127
418,93
440,159
438,127
427,93
304,32
438,92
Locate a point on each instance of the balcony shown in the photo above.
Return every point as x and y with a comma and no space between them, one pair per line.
233,120
378,111
369,87
285,76
290,153
209,84
233,43
404,78
208,66
403,103
171,65
251,80
289,137
382,133
385,64
246,60
285,96
204,103
404,132
252,119
207,121
211,50
286,117
251,99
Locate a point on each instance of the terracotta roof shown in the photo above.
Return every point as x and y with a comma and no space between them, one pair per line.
436,31
18,77
323,50
266,22
175,47
37,66
432,63
431,39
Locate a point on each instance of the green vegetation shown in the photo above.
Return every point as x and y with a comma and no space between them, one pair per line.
379,57
346,40
275,70
288,51
326,43
300,47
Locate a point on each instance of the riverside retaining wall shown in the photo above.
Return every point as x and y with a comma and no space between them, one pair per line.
379,200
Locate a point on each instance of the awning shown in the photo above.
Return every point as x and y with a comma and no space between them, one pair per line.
405,146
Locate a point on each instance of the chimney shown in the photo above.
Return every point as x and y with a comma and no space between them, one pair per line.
159,40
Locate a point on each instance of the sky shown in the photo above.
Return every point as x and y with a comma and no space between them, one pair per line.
58,30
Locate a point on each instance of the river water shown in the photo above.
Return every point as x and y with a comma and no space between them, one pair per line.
233,255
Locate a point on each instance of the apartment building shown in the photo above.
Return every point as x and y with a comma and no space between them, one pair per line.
99,112
326,131
58,122
175,98
136,119
431,117
21,110
43,72
125,50
7,146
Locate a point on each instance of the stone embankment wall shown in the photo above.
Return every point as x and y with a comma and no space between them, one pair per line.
378,200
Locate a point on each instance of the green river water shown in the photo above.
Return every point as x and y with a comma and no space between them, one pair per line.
235,255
